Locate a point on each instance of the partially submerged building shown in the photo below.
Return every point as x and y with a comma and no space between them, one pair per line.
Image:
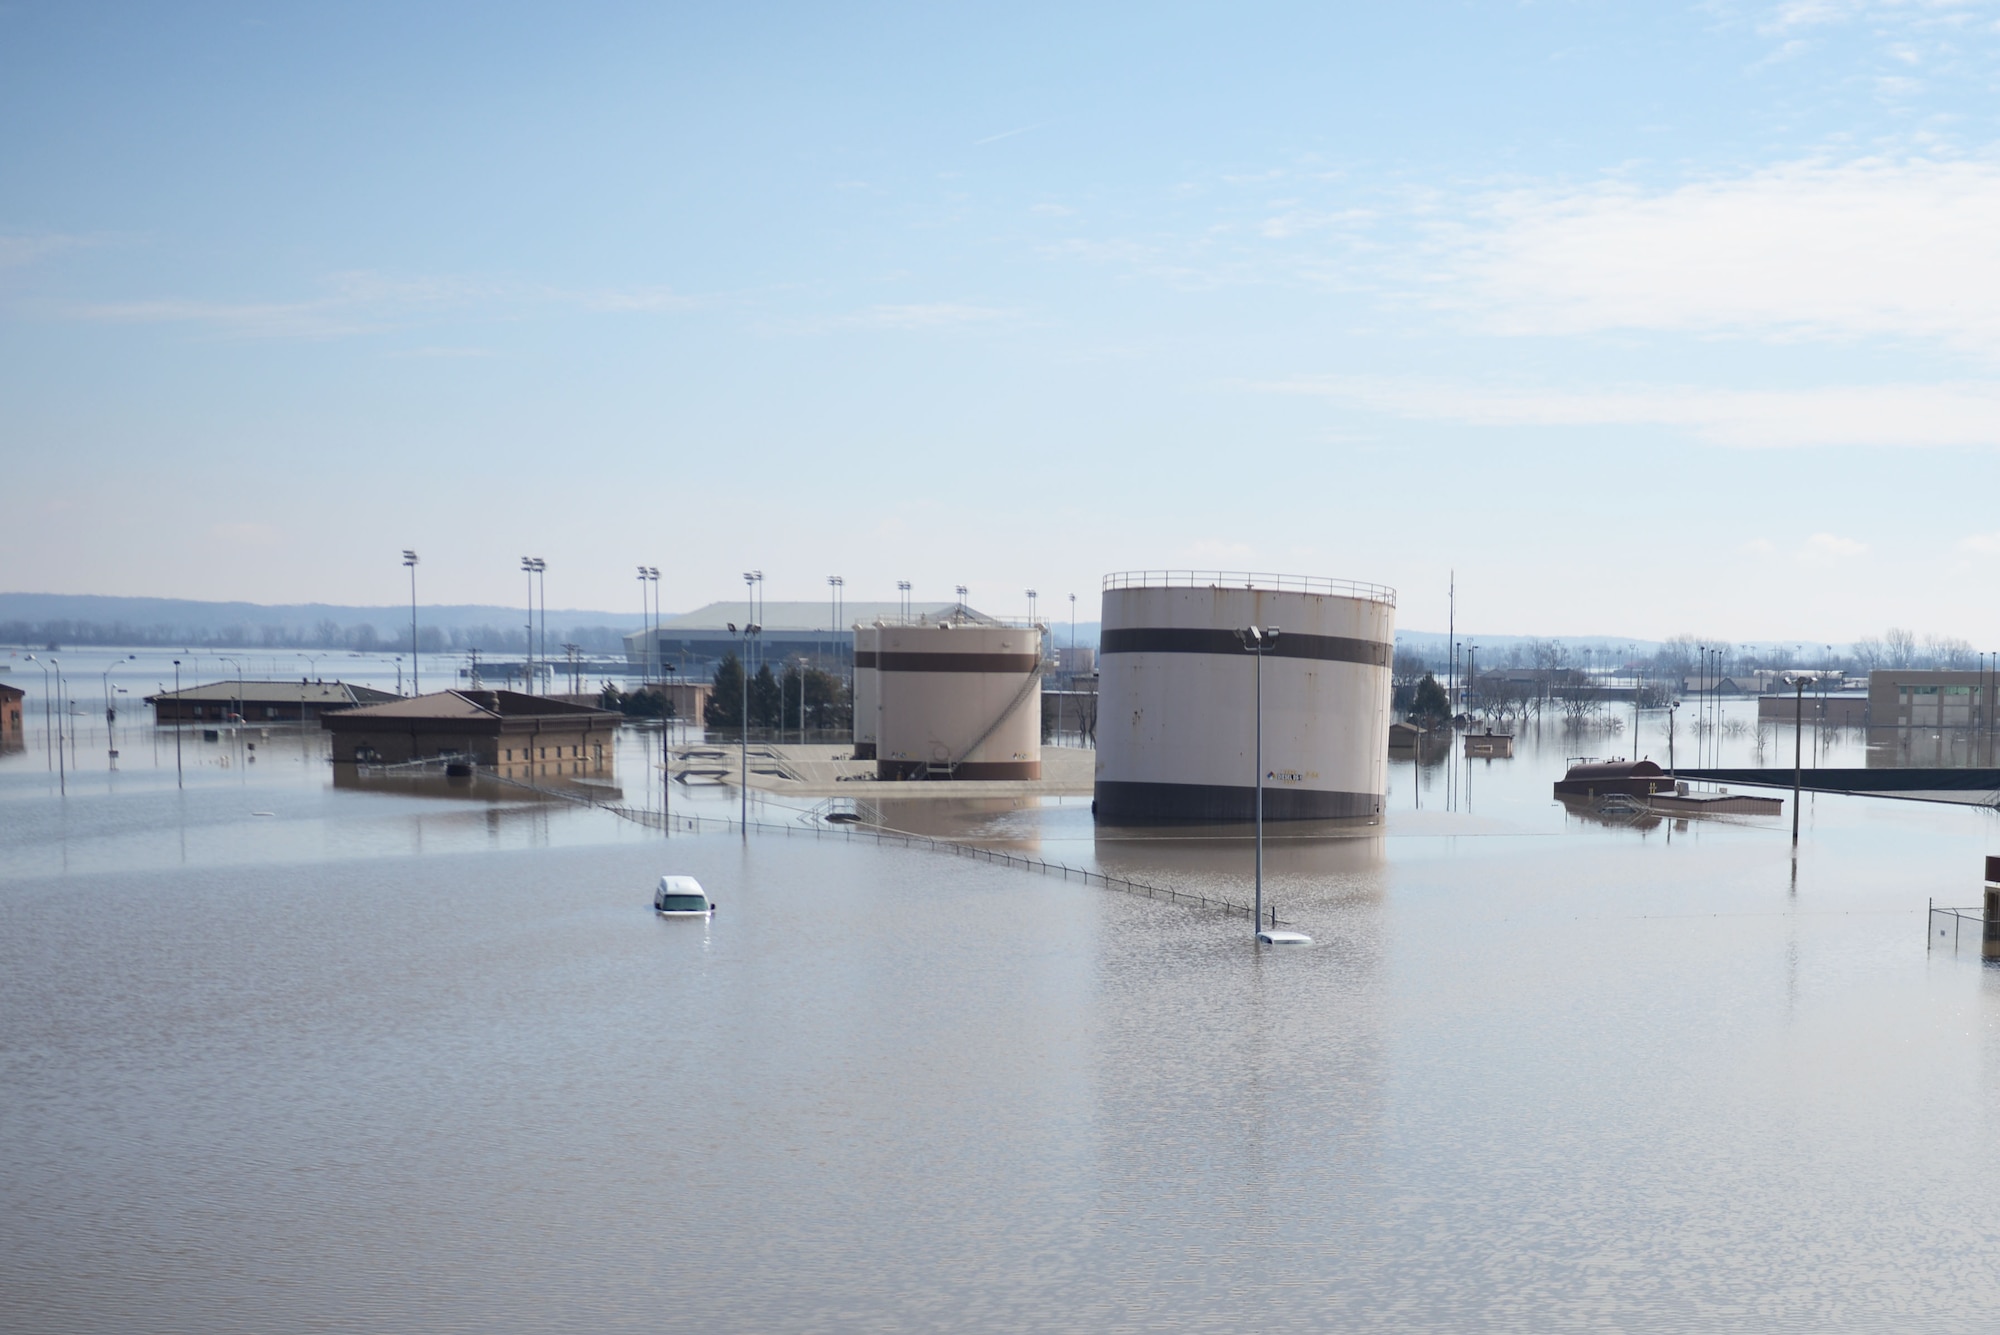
512,733
260,701
1921,698
12,736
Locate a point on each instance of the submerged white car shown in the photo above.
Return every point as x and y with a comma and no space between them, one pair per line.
681,897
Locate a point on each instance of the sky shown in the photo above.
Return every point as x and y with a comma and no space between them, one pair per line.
1635,319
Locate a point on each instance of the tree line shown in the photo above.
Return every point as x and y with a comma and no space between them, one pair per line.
774,699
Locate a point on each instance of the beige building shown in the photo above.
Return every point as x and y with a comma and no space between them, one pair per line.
515,734
1917,698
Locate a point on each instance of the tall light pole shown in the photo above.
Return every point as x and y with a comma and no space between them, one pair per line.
180,713
1798,685
750,629
62,691
542,579
48,712
961,601
649,607
1258,640
410,560
753,584
528,664
838,583
110,719
903,597
1031,607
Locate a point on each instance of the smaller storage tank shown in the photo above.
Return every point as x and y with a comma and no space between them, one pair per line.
867,690
957,700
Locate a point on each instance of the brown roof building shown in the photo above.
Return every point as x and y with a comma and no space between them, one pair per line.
260,701
514,733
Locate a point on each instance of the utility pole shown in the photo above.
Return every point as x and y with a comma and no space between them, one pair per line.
410,560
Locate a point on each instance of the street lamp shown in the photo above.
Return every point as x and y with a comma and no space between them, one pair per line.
838,583
753,598
48,715
410,560
1031,607
1259,640
903,596
961,601
750,629
180,713
1798,684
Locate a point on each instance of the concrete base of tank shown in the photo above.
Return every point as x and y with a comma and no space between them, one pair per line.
832,771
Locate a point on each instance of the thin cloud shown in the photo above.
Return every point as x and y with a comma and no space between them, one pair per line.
1805,250
1825,549
1980,544
1965,414
636,299
922,317
23,248
1005,134
357,302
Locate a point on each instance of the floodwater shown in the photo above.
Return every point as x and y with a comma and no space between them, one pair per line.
397,1057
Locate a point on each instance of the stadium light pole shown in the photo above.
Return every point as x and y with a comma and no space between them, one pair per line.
410,560
528,664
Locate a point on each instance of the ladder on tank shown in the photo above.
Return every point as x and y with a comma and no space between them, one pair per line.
944,769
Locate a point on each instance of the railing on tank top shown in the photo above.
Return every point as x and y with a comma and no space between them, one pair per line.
1249,579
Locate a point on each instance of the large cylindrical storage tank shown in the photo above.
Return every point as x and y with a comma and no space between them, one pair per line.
1177,698
958,701
867,691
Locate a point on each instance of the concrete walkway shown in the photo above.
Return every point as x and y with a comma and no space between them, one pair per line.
827,771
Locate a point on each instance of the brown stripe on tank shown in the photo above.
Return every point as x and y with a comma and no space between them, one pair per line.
890,661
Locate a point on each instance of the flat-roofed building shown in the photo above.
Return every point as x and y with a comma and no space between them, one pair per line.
1923,698
12,736
690,644
260,701
513,733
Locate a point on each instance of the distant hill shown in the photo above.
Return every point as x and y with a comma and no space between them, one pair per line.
37,619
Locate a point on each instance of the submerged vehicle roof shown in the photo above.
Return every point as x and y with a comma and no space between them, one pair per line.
680,885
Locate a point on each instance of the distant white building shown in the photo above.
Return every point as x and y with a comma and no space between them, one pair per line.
690,644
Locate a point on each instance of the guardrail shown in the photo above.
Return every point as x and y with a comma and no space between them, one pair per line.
670,821
1249,579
